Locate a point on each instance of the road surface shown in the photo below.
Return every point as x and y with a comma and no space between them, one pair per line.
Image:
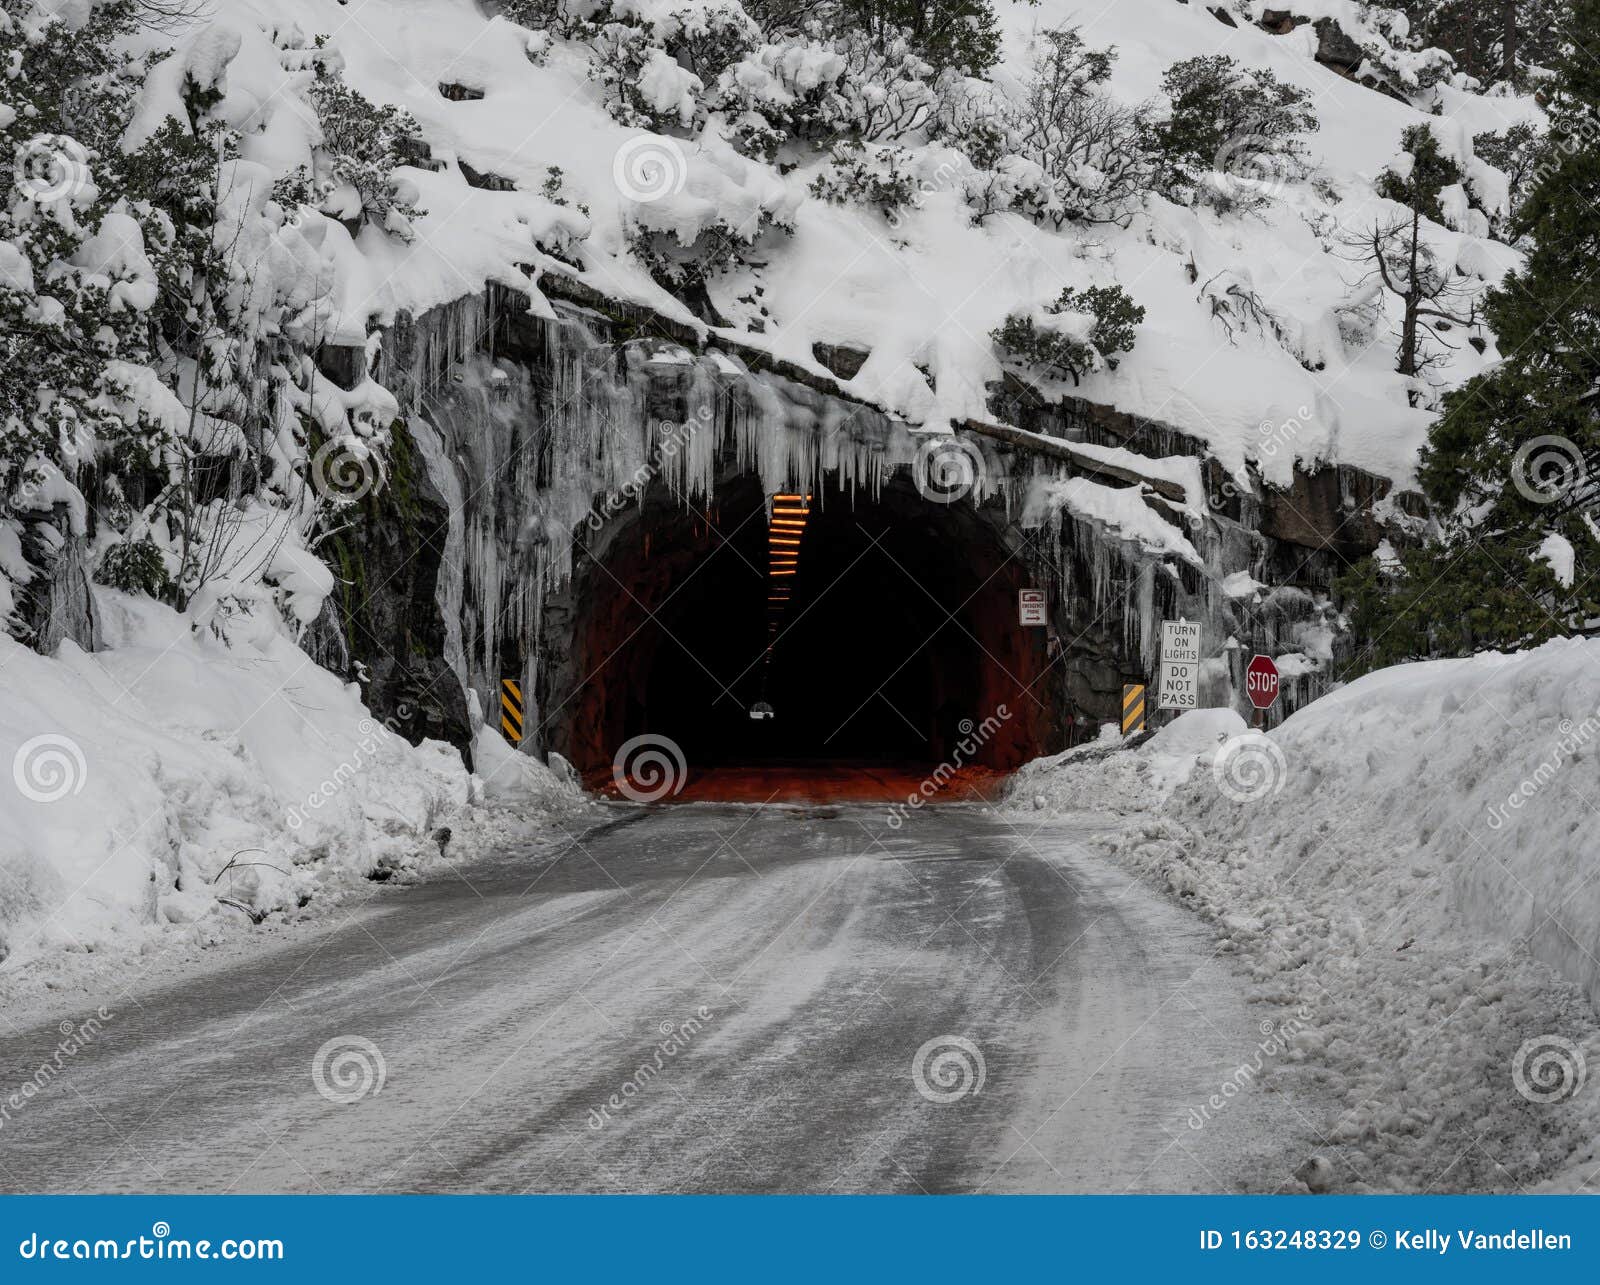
689,998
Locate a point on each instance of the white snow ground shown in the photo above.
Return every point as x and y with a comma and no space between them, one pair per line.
1414,859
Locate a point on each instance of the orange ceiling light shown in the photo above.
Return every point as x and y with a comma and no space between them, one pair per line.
785,531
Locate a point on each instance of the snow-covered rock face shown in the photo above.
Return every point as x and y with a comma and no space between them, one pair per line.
543,438
1253,387
400,162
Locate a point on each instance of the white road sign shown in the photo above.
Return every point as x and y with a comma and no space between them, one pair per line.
1179,687
1180,641
1179,683
1031,607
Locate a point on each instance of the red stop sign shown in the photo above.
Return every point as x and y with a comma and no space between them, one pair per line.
1261,681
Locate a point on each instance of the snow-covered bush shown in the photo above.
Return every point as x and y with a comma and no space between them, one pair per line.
1242,124
815,87
363,143
888,90
783,90
961,35
134,566
683,268
1080,332
1517,152
644,85
881,177
1238,307
708,39
1060,148
1395,58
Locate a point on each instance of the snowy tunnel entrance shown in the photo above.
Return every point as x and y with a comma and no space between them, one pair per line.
896,641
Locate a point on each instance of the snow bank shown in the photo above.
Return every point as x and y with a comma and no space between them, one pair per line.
1104,776
174,775
1414,859
1482,770
518,779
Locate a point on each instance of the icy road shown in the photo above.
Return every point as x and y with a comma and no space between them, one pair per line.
693,998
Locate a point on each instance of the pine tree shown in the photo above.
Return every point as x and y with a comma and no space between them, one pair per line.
1431,298
1512,466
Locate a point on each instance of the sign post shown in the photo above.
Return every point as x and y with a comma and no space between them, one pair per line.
1031,607
1261,684
1179,686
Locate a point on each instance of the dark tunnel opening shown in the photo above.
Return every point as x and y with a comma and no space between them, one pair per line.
897,642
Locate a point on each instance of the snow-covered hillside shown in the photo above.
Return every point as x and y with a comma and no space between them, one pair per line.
499,106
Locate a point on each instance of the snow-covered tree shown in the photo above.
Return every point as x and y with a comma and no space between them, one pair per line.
1512,463
1492,40
1241,123
363,143
1081,331
1060,147
77,284
1398,258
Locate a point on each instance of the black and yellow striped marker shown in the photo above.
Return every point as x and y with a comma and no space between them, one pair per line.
1132,708
511,710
